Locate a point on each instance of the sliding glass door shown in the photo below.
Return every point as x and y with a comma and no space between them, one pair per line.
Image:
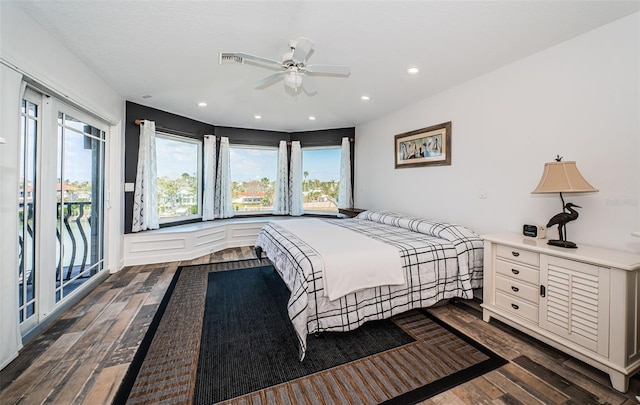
79,197
61,210
29,135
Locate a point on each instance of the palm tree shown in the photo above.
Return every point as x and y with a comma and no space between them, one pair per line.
304,182
265,183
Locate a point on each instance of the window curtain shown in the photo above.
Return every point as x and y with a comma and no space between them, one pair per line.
10,100
295,180
281,195
222,206
145,197
345,193
208,190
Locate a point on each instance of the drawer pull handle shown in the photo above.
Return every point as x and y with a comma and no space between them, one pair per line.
514,271
515,289
514,306
515,254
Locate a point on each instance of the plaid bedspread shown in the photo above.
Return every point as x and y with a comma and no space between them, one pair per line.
440,261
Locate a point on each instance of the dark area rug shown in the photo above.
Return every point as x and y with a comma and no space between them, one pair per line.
248,342
224,336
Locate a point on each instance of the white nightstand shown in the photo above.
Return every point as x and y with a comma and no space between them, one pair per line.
584,301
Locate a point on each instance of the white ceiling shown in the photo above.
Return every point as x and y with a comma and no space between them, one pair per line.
169,50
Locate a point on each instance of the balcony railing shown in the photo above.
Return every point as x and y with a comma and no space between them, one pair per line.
74,231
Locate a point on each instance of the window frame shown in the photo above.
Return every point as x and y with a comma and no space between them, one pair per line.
199,178
324,147
67,120
254,147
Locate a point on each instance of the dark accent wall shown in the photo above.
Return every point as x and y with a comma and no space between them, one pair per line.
178,125
242,136
323,137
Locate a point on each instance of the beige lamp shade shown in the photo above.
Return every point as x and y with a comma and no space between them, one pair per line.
562,177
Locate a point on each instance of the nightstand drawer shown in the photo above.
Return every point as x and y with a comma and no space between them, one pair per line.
518,272
517,306
518,255
517,288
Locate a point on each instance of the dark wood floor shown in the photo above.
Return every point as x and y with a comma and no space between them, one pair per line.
84,355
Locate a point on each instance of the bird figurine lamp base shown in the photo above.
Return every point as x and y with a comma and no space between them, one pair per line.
562,243
568,214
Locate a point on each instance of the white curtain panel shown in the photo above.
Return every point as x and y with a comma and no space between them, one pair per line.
209,177
281,195
295,180
223,208
10,98
345,193
145,197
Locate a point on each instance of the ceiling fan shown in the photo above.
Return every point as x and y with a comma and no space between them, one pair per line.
293,65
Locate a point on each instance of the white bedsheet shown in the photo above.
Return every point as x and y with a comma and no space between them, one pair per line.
351,261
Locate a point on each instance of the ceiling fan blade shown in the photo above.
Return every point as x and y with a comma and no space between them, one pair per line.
330,69
269,80
308,86
303,47
258,59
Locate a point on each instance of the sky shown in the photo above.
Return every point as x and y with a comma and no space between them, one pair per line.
254,164
78,164
175,158
322,164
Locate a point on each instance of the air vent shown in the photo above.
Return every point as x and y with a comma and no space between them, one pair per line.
230,58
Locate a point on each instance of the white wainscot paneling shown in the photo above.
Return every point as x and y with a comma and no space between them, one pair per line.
187,242
243,234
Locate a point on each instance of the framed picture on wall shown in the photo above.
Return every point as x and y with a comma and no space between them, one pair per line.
429,146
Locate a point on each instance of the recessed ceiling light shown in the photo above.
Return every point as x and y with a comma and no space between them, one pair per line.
202,104
257,117
365,98
413,70
312,118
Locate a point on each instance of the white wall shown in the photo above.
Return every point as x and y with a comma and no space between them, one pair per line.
579,99
26,45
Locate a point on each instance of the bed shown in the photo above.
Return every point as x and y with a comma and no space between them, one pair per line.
436,261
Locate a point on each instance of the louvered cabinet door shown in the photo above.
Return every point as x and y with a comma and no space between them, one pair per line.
575,305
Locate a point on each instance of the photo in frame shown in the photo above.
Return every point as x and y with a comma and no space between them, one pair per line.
429,146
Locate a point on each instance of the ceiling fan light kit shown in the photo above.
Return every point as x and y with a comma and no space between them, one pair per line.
293,79
294,66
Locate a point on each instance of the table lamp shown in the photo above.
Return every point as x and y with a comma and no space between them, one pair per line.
562,177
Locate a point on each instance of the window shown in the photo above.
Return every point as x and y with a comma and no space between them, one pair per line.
320,179
179,182
253,177
80,202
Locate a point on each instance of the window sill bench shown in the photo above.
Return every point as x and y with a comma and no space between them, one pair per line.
187,242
